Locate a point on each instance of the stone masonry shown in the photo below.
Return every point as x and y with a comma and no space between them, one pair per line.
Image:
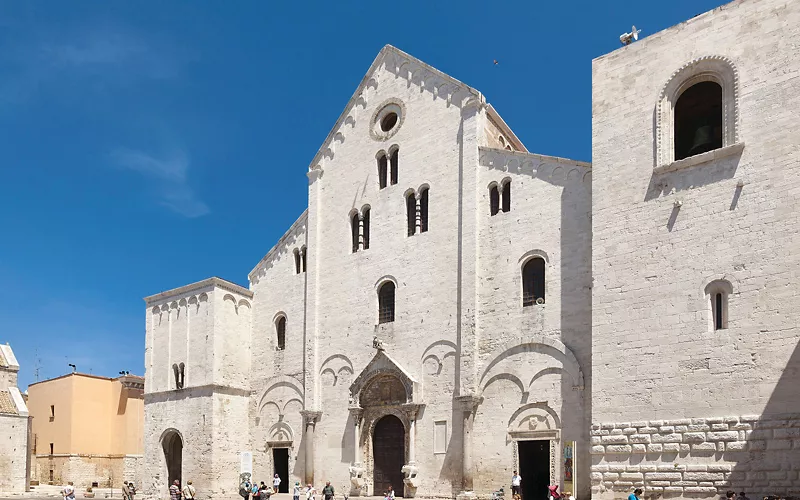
619,353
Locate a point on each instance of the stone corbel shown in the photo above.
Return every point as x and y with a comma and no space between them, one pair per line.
470,402
310,417
357,482
410,472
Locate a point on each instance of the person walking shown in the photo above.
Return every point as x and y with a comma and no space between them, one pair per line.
327,491
296,492
69,491
175,490
636,495
516,483
254,493
276,482
310,492
126,492
188,491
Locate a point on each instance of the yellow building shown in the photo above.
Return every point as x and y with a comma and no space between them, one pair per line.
87,429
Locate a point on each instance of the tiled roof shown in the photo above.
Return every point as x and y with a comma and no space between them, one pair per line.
7,404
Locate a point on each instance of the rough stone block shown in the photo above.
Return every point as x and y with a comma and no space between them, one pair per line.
638,448
597,450
749,418
684,448
672,448
681,428
698,428
656,423
760,434
703,476
659,483
639,438
599,468
700,489
670,438
648,468
610,476
718,468
696,468
694,437
616,432
685,483
719,427
741,427
614,439
596,477
639,424
736,446
629,430
648,430
618,448
597,439
777,444
666,429
722,436
792,433
600,432
680,421
654,448
663,476
631,476
617,467
673,491
704,447
775,475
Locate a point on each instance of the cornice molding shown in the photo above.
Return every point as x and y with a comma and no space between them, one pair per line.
210,283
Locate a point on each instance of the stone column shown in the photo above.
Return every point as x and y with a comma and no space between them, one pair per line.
357,414
309,420
469,405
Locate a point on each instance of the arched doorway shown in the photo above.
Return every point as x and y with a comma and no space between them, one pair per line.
388,451
173,454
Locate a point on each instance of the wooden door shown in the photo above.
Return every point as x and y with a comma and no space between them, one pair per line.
388,451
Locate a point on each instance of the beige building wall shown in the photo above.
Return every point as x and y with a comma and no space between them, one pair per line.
95,427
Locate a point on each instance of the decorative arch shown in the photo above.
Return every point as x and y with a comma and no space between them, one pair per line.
710,68
383,279
533,254
281,431
527,407
289,388
542,344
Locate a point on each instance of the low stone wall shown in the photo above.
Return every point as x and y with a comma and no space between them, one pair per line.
698,457
83,470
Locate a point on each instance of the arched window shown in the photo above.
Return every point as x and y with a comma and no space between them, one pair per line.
494,200
506,195
393,161
717,293
296,261
423,210
386,303
280,330
303,257
382,170
182,374
698,120
354,230
365,223
533,282
177,374
411,213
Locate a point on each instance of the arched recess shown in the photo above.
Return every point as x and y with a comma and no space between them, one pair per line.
711,68
172,446
279,391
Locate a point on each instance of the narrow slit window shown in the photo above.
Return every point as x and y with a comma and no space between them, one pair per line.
382,170
182,374
394,164
296,261
494,200
718,313
280,330
533,282
386,303
423,211
52,411
51,452
177,376
507,196
365,223
303,258
354,230
411,214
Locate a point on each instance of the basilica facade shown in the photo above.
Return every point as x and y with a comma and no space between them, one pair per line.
452,307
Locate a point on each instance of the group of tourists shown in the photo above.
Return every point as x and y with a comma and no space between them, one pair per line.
177,493
552,490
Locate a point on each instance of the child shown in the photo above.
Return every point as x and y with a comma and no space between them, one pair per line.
296,492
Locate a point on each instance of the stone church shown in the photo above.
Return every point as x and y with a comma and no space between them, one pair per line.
452,307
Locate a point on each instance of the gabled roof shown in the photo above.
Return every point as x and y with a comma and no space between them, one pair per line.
399,59
7,358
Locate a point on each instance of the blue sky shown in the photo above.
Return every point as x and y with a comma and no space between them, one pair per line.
147,145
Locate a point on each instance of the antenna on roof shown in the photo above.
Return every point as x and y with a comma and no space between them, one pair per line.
627,38
37,363
74,368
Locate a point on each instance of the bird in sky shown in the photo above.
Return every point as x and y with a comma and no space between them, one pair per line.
495,62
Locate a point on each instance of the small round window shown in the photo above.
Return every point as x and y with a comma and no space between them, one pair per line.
387,119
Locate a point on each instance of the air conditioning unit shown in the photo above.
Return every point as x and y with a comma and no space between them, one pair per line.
539,301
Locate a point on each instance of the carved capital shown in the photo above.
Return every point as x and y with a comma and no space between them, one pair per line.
310,417
314,174
357,412
469,402
412,409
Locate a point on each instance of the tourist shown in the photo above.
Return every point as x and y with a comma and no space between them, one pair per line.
264,492
131,490
516,482
254,490
327,491
553,494
636,495
126,494
188,491
567,495
175,490
68,491
390,493
742,496
730,495
310,492
276,481
296,492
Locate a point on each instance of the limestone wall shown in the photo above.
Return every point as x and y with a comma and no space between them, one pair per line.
84,470
662,235
13,452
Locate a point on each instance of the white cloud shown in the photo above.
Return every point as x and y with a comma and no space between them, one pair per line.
170,176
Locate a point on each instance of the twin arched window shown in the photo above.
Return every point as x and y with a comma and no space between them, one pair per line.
179,370
280,331
300,260
386,302
533,288
496,193
417,211
359,229
387,166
